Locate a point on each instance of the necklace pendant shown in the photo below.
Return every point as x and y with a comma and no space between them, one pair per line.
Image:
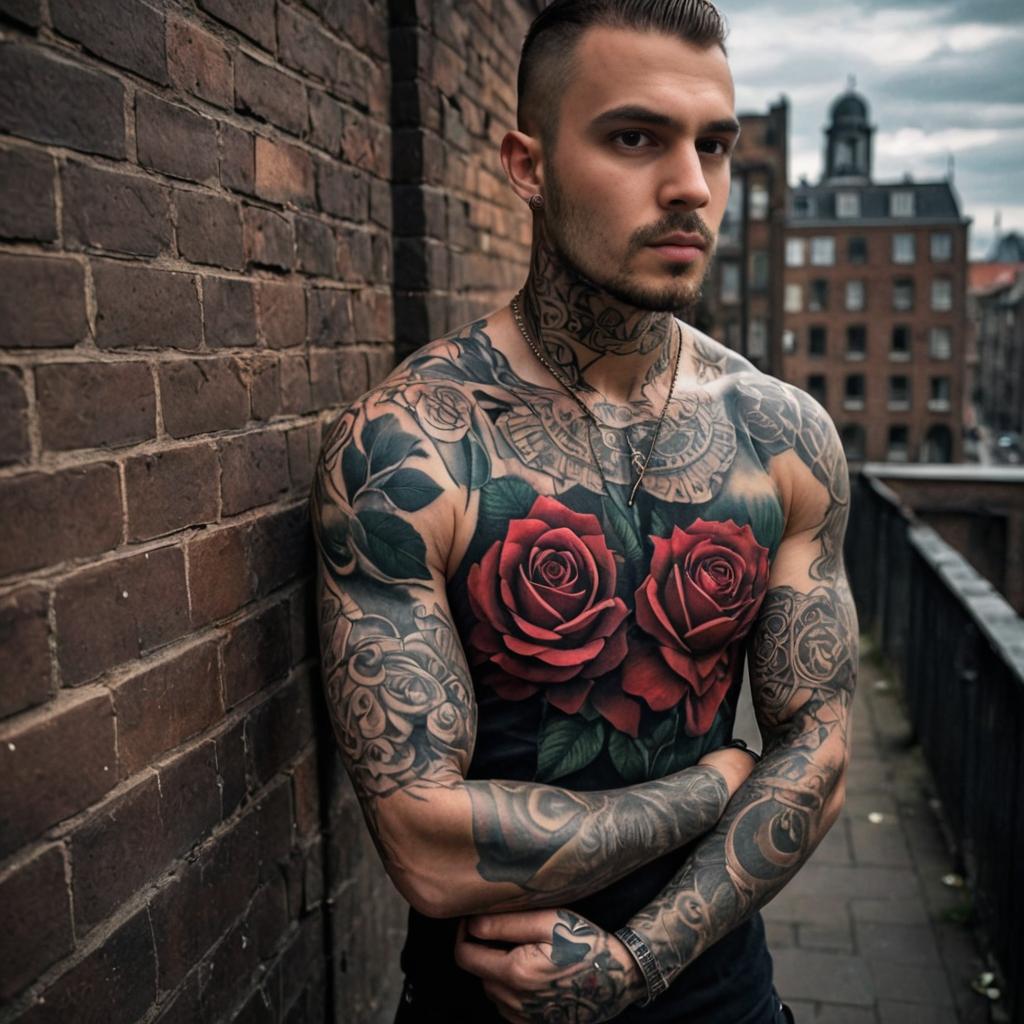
638,461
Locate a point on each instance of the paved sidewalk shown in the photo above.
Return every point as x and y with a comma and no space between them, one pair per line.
867,933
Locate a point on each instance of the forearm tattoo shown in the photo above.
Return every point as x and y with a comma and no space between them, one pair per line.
802,671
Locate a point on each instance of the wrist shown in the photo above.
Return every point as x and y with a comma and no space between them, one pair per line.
650,980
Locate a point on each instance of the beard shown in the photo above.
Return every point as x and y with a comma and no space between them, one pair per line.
583,250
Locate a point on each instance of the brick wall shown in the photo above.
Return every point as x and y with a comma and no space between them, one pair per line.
204,201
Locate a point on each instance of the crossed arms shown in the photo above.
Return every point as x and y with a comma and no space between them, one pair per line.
402,706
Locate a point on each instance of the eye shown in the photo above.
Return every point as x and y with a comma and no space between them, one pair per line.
630,137
722,150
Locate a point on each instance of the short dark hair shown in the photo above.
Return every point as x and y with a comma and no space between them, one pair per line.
546,61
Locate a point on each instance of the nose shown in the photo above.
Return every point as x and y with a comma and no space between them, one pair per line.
684,183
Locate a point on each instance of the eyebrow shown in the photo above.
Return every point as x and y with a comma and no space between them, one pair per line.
643,115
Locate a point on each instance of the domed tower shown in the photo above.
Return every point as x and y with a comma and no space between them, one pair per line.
848,138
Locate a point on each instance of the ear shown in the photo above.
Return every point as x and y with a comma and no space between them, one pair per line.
521,157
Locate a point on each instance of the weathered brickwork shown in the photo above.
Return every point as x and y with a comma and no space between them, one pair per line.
221,220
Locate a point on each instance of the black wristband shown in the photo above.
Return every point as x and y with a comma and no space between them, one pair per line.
741,745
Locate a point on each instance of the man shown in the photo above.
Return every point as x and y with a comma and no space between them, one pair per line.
546,540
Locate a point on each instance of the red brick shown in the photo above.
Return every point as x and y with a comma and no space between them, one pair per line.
325,387
170,489
115,612
198,63
355,253
253,18
254,470
120,212
265,388
63,755
304,626
81,510
256,653
269,94
303,449
280,728
303,46
268,918
284,173
29,176
282,312
24,651
209,230
227,972
145,308
42,300
202,395
184,1009
86,405
343,191
50,100
25,11
195,910
174,139
380,362
123,32
14,442
372,313
116,851
296,393
315,247
229,312
237,159
161,707
353,373
306,793
37,931
190,801
281,549
115,982
220,578
325,120
330,317
269,238
231,768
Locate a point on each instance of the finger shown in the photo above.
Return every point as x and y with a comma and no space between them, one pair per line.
518,926
507,1003
483,961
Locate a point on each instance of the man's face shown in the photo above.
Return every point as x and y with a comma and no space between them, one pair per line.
618,183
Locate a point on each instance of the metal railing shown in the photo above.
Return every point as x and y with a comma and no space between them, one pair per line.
959,649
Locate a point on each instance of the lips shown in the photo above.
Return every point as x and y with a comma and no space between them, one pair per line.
681,241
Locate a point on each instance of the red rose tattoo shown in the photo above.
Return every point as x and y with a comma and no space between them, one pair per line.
548,615
704,589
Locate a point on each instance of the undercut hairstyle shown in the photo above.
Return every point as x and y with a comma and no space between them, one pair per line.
547,61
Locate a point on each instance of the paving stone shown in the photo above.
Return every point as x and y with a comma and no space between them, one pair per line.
849,881
793,908
909,984
830,1013
879,844
837,937
835,847
907,1013
817,976
898,943
859,805
899,911
780,934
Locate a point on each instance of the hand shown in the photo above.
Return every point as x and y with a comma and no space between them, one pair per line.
560,967
735,765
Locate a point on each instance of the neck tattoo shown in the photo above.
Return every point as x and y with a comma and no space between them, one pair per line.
639,460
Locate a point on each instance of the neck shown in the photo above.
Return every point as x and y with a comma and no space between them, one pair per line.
598,342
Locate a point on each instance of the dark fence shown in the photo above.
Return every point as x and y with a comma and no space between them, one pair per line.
959,649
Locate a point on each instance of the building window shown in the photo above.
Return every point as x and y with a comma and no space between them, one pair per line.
852,436
942,294
803,205
757,339
816,387
789,342
940,343
899,348
904,249
730,282
854,296
794,298
823,251
817,340
758,202
901,204
732,221
732,335
939,400
903,294
759,269
795,252
857,249
848,204
938,444
898,443
856,341
818,298
853,396
942,247
899,394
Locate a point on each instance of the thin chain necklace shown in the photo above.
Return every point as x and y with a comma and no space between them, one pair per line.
638,460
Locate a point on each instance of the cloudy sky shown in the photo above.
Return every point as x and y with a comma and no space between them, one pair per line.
941,77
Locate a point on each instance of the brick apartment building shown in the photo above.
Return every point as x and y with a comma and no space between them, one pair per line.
875,300
742,304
